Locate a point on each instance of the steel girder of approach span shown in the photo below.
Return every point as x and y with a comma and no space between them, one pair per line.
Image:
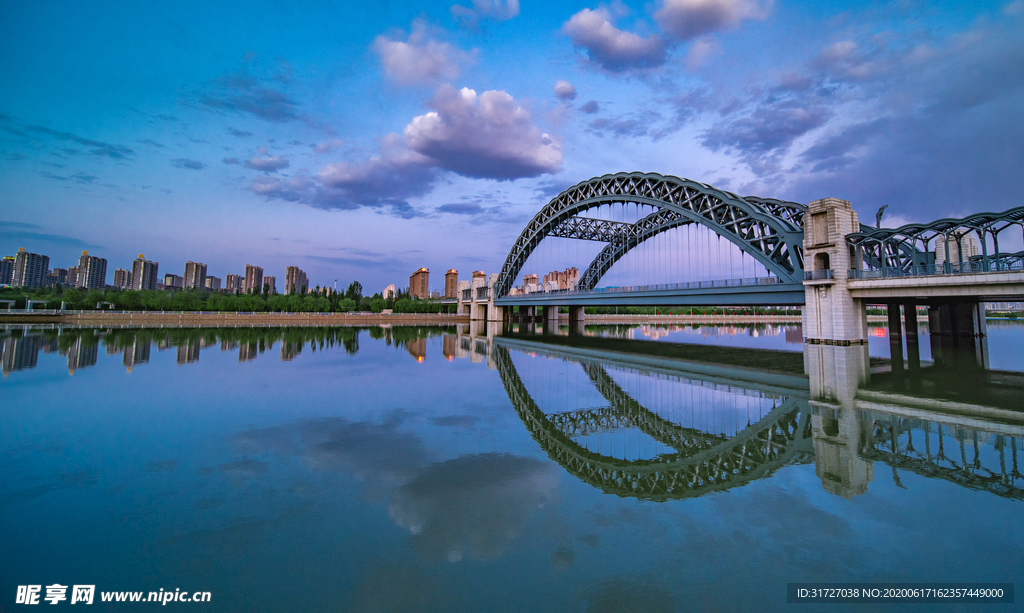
709,293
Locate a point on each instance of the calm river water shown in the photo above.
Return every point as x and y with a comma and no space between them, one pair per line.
419,469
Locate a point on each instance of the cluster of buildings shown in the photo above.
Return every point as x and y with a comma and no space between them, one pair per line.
32,270
553,281
419,285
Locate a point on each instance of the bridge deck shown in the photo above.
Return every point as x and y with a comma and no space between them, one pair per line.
771,294
987,286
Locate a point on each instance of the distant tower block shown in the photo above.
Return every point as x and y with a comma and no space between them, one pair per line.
451,284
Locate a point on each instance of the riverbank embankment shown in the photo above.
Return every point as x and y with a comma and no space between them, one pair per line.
214,320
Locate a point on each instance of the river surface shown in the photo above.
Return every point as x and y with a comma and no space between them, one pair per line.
426,469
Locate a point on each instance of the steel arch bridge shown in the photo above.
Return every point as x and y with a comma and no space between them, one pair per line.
703,463
768,230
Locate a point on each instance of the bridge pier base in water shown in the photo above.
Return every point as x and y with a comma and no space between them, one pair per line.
958,334
576,315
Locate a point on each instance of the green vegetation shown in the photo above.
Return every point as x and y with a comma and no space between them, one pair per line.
319,300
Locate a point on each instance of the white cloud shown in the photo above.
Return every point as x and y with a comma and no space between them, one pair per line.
420,60
689,19
328,146
486,136
268,163
564,90
499,10
613,49
700,50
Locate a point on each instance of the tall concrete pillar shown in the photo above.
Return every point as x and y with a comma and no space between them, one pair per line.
550,319
913,346
959,334
895,336
831,316
576,316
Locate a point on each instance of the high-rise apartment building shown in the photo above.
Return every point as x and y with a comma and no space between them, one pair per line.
295,281
389,292
144,273
173,281
122,278
233,283
73,276
419,284
967,244
92,272
253,279
451,283
195,275
29,269
212,283
60,276
270,283
562,279
7,270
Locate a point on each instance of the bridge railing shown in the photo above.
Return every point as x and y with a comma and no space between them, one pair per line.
661,287
467,295
946,268
482,293
818,275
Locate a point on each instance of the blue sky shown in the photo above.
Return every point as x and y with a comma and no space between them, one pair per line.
364,140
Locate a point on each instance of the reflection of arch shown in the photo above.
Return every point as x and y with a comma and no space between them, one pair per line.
778,439
772,240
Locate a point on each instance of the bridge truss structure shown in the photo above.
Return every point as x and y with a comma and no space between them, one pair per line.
768,230
908,250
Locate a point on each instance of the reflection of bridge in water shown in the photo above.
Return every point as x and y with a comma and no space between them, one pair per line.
699,462
653,427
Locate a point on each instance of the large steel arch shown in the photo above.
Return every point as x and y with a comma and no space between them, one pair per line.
772,240
664,220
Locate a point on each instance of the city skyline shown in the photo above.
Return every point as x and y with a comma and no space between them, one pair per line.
356,142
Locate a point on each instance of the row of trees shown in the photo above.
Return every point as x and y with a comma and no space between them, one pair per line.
318,300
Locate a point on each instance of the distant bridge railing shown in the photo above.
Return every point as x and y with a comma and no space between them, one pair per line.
973,266
658,287
818,275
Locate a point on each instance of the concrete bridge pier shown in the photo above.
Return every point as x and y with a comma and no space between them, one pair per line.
910,326
576,315
895,336
832,317
551,319
958,334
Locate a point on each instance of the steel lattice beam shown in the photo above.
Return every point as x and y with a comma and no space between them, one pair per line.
771,239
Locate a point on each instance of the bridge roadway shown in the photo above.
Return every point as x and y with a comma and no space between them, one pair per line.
737,292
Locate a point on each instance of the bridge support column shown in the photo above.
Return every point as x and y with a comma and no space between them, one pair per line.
551,317
895,336
958,334
913,346
831,316
576,315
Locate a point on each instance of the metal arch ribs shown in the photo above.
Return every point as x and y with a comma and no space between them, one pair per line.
774,240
